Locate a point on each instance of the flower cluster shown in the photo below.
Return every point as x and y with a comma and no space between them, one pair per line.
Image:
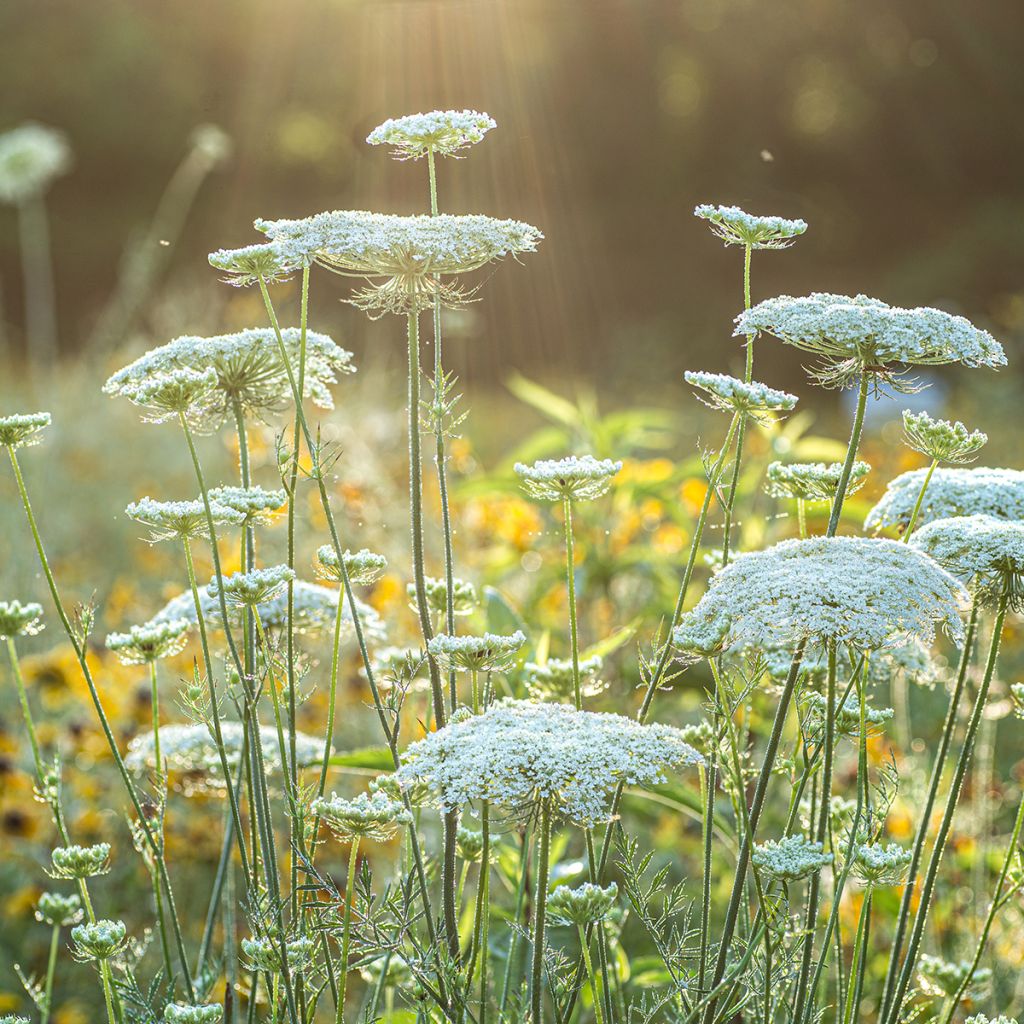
363,566
178,520
266,954
366,817
150,642
571,479
464,596
22,429
58,910
553,681
846,716
80,861
255,503
250,374
735,227
881,863
951,492
587,904
173,393
487,653
733,395
31,156
941,440
255,587
789,859
868,594
943,978
444,132
17,619
267,262
186,1013
519,754
812,481
99,940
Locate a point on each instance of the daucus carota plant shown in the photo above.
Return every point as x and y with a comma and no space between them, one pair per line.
544,834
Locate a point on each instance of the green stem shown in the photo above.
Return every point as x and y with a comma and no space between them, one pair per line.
859,961
585,948
37,265
154,698
51,968
108,997
851,454
539,916
346,927
920,499
19,682
570,575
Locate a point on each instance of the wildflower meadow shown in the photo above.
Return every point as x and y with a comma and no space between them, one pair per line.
643,724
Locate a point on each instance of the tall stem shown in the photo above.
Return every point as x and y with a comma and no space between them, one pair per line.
51,968
539,916
346,927
851,454
585,947
920,498
570,576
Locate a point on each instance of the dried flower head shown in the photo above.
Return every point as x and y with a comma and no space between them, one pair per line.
986,552
17,619
169,394
585,905
22,429
951,492
31,157
254,503
444,132
178,520
58,910
464,596
487,653
363,566
941,440
366,817
250,374
867,594
267,262
732,395
150,642
881,863
574,478
518,754
405,258
80,861
100,940
553,681
188,1013
789,859
943,978
812,481
255,587
854,334
735,227
265,954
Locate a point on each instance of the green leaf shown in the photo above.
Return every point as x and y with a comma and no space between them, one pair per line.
367,759
559,409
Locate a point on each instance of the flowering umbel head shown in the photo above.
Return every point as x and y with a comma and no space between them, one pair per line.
576,478
789,859
731,395
735,227
442,132
363,566
188,1013
179,392
100,940
255,587
486,653
812,481
585,905
368,816
20,430
880,864
267,262
464,596
31,157
554,680
265,953
180,520
80,861
58,910
255,503
941,440
17,619
150,642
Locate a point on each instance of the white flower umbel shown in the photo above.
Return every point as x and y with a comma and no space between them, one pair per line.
17,619
912,661
405,258
31,157
363,566
812,481
98,940
173,393
553,681
177,520
58,910
732,395
943,978
147,643
846,718
881,863
985,552
487,653
255,503
190,1013
519,754
464,596
21,430
576,478
951,492
941,440
265,954
980,1018
855,334
79,862
444,132
585,905
269,262
789,859
249,370
867,594
374,817
255,587
735,227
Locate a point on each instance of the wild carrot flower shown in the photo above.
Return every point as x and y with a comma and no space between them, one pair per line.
881,863
265,954
464,596
518,754
250,374
17,619
100,940
789,859
20,430
405,258
178,520
444,132
812,481
585,905
735,227
469,844
732,395
255,587
172,393
366,817
254,503
980,1018
867,594
187,1013
268,261
553,681
574,478
150,642
943,978
846,716
58,910
31,157
80,861
487,653
363,566
950,493
941,440
398,792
